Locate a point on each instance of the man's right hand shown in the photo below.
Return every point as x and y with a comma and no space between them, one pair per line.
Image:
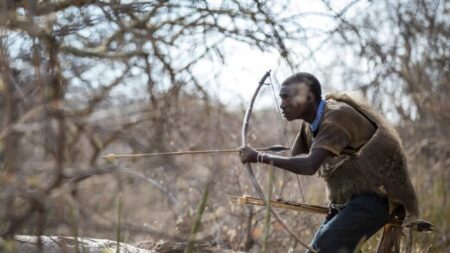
248,155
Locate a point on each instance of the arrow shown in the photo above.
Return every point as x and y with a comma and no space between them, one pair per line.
248,200
111,157
418,225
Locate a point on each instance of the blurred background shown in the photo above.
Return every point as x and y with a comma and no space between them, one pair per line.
81,78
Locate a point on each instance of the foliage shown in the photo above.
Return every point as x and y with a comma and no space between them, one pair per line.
82,78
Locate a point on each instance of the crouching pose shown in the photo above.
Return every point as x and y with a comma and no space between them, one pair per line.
358,154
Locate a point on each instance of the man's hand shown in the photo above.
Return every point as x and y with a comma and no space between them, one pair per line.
248,155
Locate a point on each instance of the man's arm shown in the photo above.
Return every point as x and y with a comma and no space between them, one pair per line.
304,164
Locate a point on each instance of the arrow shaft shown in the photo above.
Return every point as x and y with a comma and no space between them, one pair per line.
300,207
193,152
276,148
281,204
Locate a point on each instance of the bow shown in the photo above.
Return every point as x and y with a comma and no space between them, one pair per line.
258,189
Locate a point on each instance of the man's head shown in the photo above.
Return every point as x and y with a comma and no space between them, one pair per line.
300,95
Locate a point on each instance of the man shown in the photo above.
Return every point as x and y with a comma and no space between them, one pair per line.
356,152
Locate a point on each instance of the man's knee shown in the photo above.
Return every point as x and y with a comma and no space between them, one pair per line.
326,242
332,241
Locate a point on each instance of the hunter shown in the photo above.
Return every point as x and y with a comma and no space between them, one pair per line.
358,154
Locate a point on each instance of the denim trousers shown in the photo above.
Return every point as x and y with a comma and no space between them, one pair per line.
343,230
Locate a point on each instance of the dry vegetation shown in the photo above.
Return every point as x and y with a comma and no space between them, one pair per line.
82,78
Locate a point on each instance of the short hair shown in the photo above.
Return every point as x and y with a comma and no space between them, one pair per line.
310,80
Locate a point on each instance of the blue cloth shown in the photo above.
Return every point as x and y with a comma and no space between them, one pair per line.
320,111
343,230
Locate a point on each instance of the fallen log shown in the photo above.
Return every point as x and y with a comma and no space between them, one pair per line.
67,244
63,244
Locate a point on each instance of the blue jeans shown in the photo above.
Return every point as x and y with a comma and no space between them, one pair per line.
342,231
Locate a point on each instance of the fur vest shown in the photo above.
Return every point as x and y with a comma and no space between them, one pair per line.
378,166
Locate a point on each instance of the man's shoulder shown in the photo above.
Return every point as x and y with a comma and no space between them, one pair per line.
337,106
352,102
339,111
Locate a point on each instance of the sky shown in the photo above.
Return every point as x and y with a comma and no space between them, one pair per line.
245,65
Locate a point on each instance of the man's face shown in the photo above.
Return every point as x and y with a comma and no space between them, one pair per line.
294,101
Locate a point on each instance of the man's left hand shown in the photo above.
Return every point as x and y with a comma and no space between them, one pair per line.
248,155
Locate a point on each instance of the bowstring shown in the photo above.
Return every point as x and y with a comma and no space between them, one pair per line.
285,132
